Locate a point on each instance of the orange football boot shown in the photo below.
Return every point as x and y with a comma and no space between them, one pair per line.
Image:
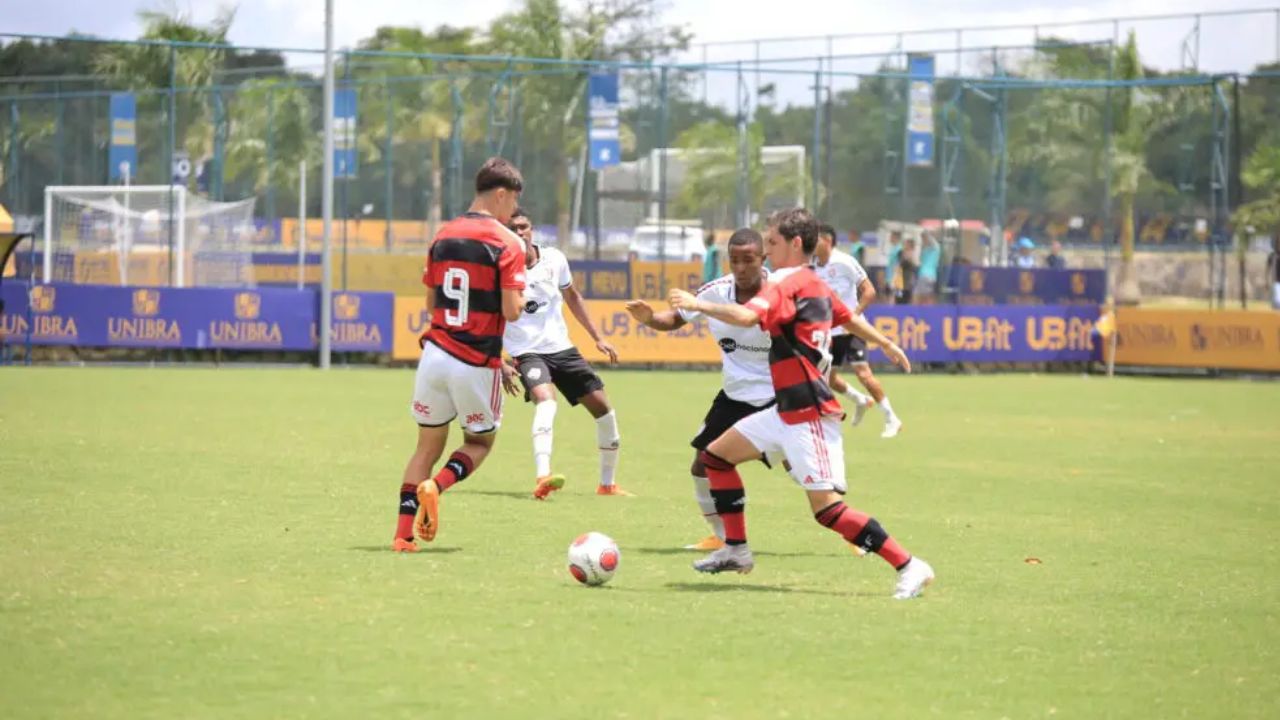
427,522
547,485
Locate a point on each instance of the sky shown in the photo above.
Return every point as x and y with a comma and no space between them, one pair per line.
1226,43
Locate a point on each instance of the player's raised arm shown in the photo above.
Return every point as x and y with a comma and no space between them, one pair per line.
739,315
573,299
665,321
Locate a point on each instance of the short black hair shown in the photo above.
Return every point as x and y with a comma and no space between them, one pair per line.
829,231
496,173
797,222
520,212
746,236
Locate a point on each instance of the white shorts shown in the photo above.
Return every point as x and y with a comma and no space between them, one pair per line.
1275,296
446,388
814,449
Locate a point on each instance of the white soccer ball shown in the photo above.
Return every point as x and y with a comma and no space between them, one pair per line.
593,558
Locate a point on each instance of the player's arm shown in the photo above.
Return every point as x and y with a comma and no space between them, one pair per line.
866,295
738,315
578,307
865,330
511,279
665,321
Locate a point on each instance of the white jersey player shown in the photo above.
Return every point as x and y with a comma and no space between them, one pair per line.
545,360
848,280
744,351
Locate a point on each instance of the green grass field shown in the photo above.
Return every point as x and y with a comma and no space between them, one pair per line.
213,543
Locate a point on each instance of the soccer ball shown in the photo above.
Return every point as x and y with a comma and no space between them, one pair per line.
593,558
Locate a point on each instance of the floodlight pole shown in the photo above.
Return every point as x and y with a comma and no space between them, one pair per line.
326,193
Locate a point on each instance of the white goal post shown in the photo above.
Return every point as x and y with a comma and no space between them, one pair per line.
210,243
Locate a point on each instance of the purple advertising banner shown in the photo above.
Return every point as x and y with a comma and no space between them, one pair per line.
257,319
988,333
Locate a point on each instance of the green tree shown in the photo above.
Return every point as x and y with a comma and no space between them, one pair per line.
713,171
552,102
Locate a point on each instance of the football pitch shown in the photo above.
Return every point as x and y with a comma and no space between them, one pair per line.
214,543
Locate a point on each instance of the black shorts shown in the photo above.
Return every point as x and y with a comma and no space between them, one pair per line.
848,348
571,373
725,412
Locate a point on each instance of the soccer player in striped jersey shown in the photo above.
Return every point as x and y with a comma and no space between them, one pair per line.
799,311
475,278
746,387
848,280
546,360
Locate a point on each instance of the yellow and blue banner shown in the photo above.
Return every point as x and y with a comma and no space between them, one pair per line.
920,128
122,152
1226,339
258,319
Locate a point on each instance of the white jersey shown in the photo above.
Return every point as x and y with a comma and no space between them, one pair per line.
541,328
744,351
843,274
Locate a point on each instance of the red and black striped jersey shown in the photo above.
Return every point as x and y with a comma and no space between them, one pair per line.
798,310
472,259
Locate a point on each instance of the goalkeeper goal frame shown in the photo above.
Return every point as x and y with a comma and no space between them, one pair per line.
178,219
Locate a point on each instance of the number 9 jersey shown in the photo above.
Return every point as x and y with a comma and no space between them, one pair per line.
471,261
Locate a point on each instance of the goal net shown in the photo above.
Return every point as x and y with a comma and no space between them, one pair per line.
154,235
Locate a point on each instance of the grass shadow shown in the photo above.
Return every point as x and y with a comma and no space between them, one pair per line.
513,494
427,550
695,553
746,587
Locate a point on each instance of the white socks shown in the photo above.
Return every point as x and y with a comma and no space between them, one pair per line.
607,440
702,493
544,416
886,407
855,395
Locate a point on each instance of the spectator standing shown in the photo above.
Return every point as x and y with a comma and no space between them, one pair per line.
1055,261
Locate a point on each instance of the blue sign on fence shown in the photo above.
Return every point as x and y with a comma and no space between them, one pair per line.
602,120
920,112
258,319
988,333
344,134
122,153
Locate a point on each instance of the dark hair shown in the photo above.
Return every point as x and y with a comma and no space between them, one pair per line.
746,236
797,222
496,173
520,212
829,231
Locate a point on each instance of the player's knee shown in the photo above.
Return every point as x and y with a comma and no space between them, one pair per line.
696,468
712,462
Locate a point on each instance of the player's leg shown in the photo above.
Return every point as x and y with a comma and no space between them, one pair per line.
702,494
535,375
476,393
892,424
843,349
580,384
432,408
722,415
815,451
748,439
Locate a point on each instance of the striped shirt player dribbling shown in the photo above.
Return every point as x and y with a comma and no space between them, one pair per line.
475,281
798,311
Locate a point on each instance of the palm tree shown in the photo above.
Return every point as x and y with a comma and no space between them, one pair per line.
147,67
423,110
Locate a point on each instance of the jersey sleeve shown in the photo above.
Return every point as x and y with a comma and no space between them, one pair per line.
840,313
859,272
564,275
704,293
511,267
767,306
